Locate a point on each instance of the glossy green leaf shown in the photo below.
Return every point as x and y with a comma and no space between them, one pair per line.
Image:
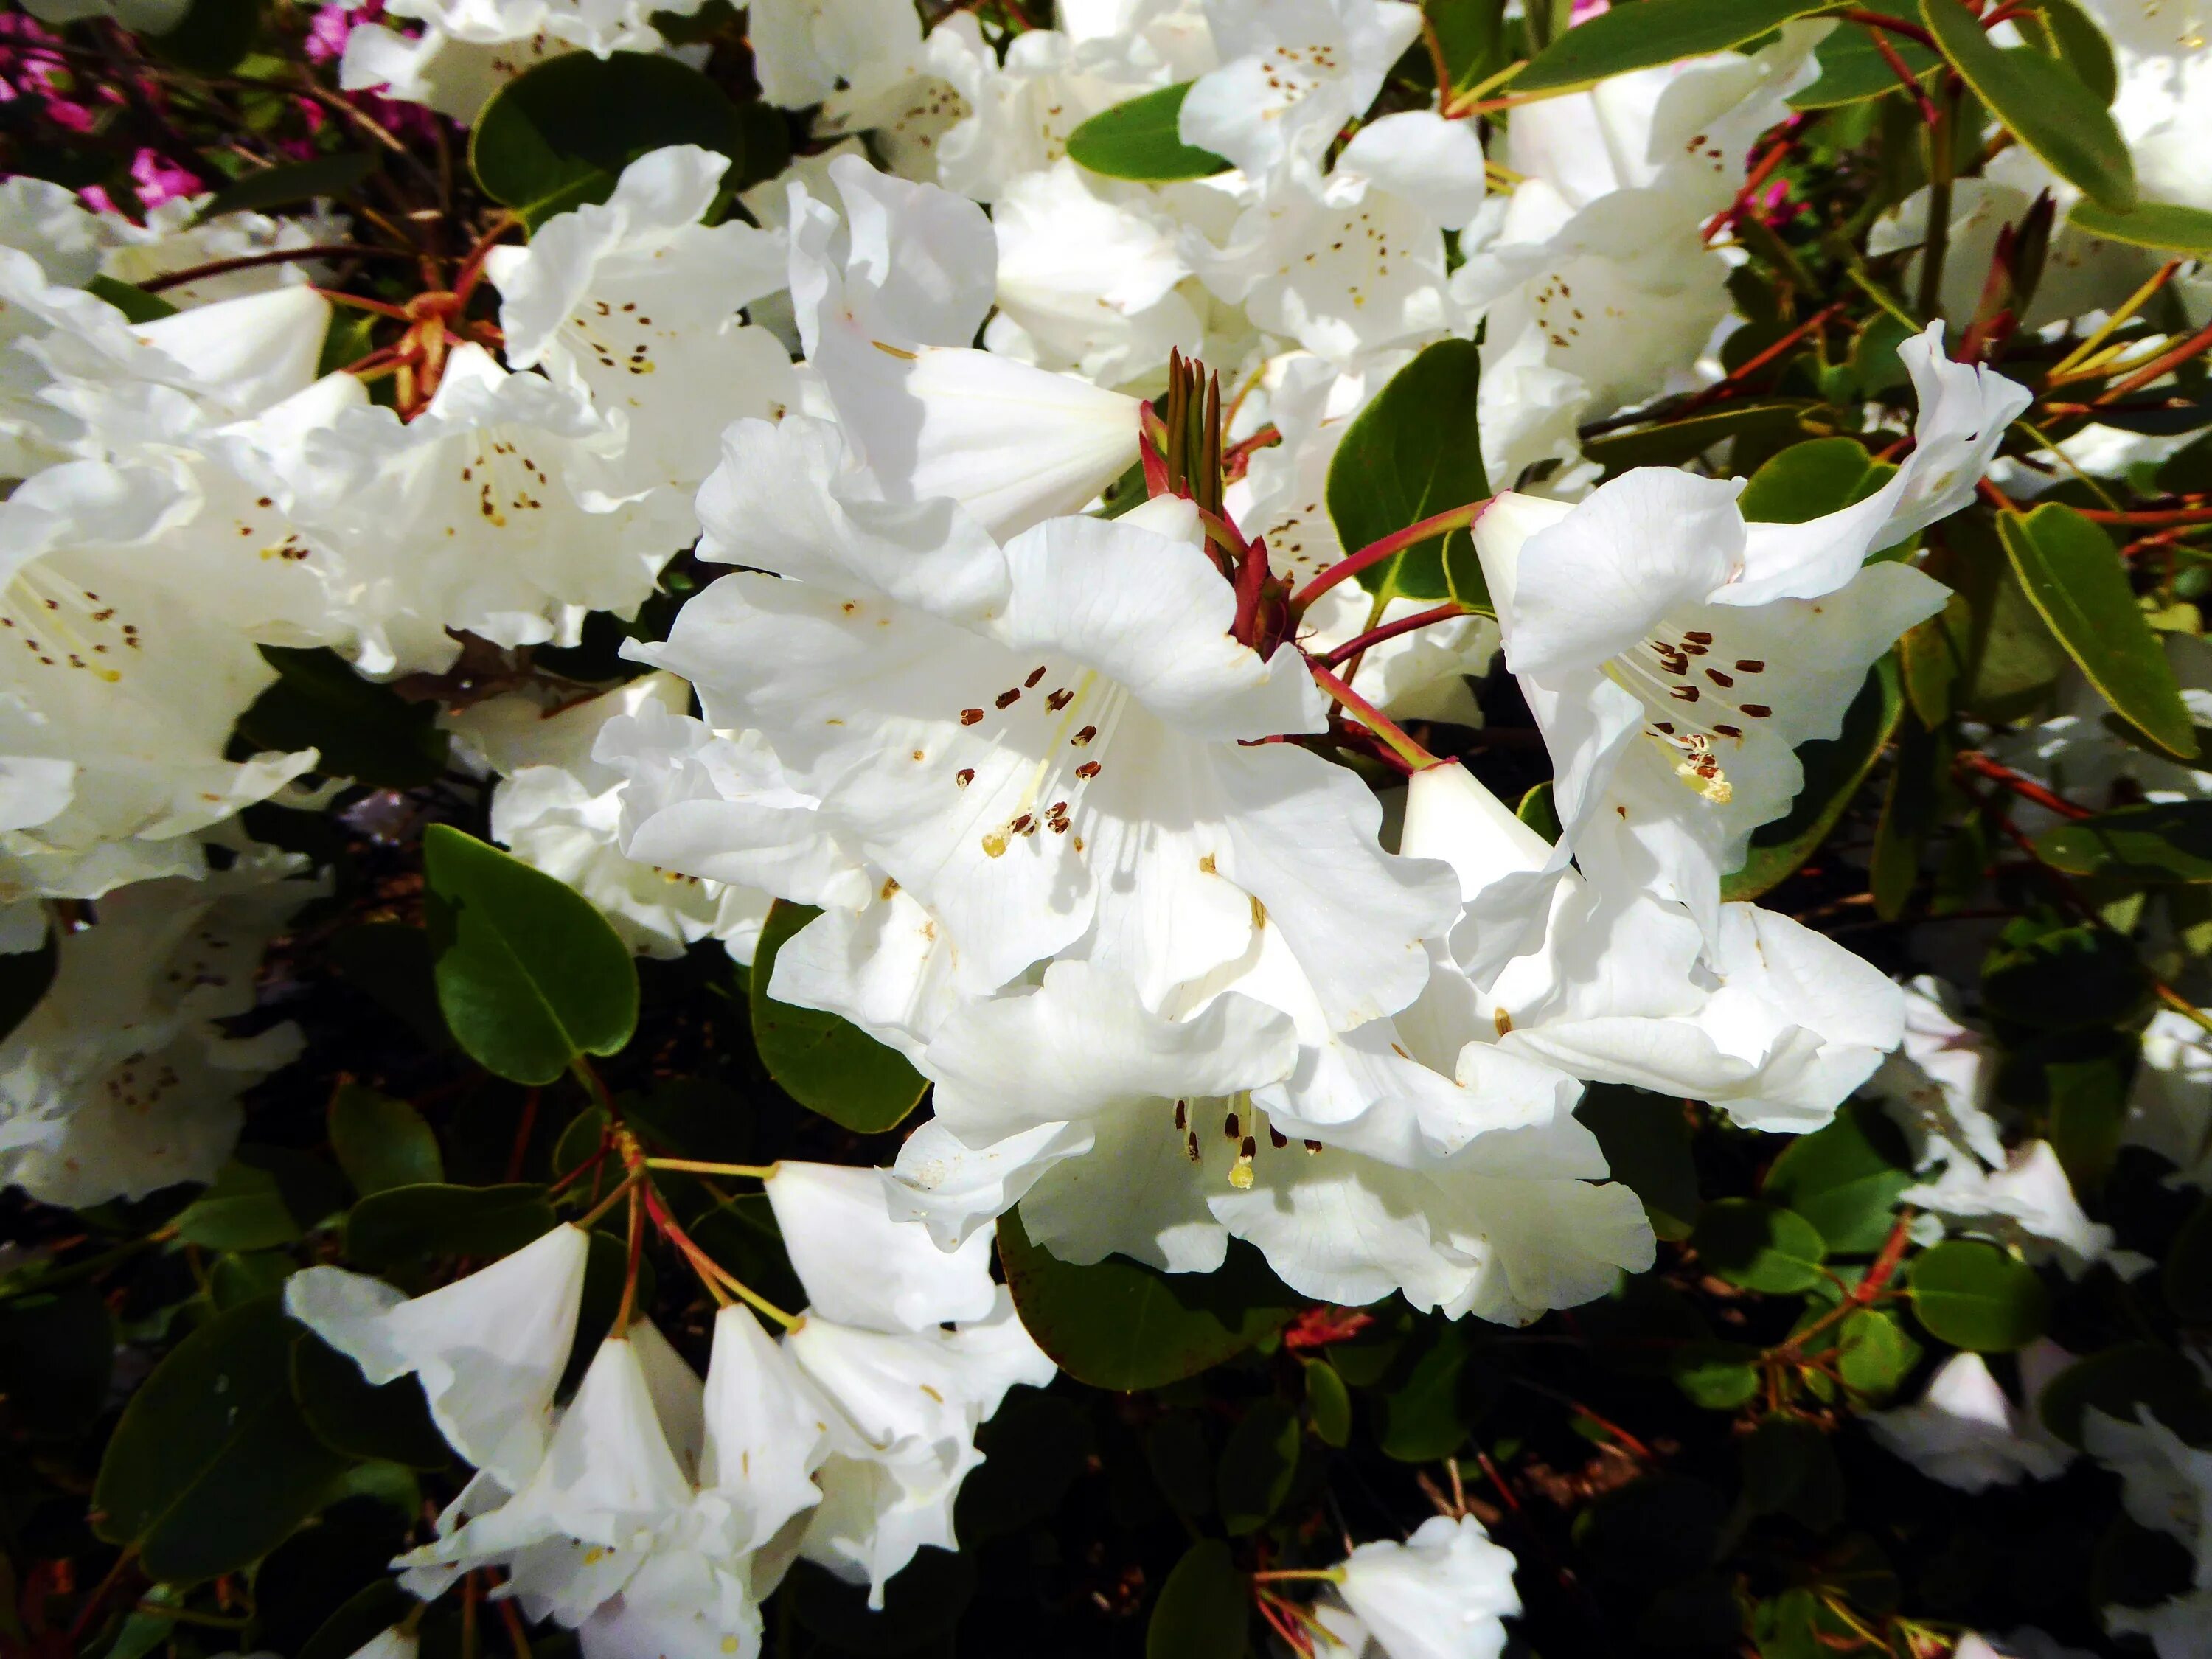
2087,1113
1328,1403
264,1196
1422,1419
2048,107
1138,140
557,136
1646,35
1257,1461
2073,978
294,181
1717,1376
1205,1607
825,1063
1872,1352
1834,770
1414,452
1471,35
1118,1324
529,975
1810,480
381,1142
1759,1246
407,1223
1852,66
212,1464
1670,442
134,302
1974,1296
359,729
355,1419
2072,574
2148,224
1844,1178
2063,31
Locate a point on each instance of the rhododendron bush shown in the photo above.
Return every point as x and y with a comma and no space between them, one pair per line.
1168,828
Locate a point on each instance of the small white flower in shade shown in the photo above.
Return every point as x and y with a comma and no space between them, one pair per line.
393,1643
888,301
2027,1203
176,238
2170,1102
911,1348
598,26
501,509
804,50
1937,1085
2165,1483
1292,73
1770,1021
454,77
1967,1432
1442,1593
489,1349
559,809
638,305
117,1082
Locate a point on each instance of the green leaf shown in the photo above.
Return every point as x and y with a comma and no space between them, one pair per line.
1655,32
133,302
212,1465
1328,1403
25,978
1810,479
2046,978
1758,1246
1646,1142
390,1424
2068,35
407,1223
2166,844
2047,106
1413,452
1844,1178
264,1196
2148,224
360,729
2188,1276
1118,1324
382,1143
1669,442
1717,1376
1471,34
1834,770
2089,1109
1852,67
825,1063
1421,1420
559,134
1254,1475
530,975
211,37
1972,1295
1205,1607
2072,574
2117,1379
1872,1352
294,181
1138,140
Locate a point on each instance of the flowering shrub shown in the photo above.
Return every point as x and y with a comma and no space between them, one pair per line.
1310,827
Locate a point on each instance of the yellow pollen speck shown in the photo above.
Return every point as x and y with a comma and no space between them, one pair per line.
1206,866
994,844
1503,1021
1240,1174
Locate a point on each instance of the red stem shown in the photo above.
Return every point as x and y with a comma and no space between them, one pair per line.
1374,553
1373,636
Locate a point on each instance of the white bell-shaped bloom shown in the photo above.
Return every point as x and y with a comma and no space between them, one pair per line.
1292,73
2028,1203
1937,1083
1442,1593
861,1267
117,1082
888,301
489,1349
559,811
2170,1101
638,305
1967,1432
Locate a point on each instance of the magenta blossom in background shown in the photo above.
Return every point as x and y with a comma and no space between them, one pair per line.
1586,9
333,24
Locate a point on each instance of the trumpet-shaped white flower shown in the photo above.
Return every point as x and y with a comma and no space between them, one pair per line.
488,1349
2027,1202
1442,1593
1937,1083
559,811
637,305
888,300
118,1084
1292,73
1674,656
1967,1432
502,510
2170,1101
2165,1485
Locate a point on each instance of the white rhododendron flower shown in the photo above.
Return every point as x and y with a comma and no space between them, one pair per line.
1967,1432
